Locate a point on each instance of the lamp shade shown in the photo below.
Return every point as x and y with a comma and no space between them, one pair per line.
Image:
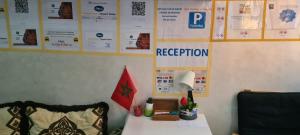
188,79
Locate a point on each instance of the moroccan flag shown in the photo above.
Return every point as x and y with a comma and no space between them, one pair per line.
124,91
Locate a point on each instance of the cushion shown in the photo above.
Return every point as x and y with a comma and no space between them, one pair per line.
67,120
268,113
10,118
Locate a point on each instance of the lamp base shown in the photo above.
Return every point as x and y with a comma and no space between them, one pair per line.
187,115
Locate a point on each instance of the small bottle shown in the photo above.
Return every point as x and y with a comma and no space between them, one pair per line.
149,108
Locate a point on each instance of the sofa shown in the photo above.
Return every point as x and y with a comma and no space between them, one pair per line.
268,113
31,118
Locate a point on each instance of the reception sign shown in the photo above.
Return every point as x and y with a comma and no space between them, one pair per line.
182,54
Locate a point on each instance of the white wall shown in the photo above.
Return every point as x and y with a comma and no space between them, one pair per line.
74,79
71,79
259,66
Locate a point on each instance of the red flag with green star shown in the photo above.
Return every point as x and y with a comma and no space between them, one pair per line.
124,91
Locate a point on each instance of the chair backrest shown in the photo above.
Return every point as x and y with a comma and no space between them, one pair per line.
268,113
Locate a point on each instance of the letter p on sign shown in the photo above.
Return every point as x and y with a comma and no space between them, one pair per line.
197,17
197,20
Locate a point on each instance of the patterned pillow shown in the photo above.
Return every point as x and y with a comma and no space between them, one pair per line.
10,118
67,120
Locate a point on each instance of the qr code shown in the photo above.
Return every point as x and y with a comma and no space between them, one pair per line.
21,6
138,8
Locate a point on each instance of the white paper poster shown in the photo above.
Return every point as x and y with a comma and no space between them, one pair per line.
182,54
137,18
24,23
282,19
184,19
200,83
60,24
3,30
167,81
99,25
219,23
245,19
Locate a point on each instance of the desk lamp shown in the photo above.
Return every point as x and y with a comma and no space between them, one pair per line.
187,81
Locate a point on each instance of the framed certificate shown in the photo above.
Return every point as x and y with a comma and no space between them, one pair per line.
24,23
99,25
282,19
136,34
60,24
245,20
3,26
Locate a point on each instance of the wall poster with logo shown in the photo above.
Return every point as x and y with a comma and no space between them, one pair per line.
184,19
136,28
99,25
24,23
60,24
282,19
245,19
3,28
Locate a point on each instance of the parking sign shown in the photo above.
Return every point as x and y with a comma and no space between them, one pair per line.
197,20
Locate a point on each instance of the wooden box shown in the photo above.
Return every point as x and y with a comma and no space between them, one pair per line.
162,109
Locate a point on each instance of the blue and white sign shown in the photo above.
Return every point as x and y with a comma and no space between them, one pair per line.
99,8
287,15
197,20
99,35
182,54
181,19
